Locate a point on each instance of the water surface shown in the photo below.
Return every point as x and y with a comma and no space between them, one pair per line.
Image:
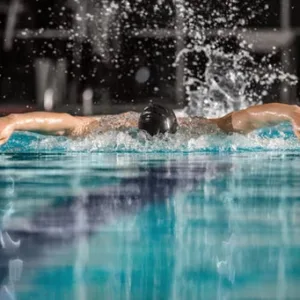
151,226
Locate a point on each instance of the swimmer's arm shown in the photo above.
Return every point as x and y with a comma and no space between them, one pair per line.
256,117
66,124
52,123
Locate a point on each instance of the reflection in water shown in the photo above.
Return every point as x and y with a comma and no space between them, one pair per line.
10,265
156,226
243,234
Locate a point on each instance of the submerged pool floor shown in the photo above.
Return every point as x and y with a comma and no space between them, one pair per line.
150,226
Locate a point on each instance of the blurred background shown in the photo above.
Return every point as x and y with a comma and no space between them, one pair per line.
102,56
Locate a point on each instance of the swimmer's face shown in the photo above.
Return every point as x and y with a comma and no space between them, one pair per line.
157,119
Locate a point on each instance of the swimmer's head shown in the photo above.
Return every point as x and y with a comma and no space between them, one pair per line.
157,119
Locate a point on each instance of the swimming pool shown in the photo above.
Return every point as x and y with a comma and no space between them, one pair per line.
212,223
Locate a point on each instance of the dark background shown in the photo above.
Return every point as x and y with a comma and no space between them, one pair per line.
112,75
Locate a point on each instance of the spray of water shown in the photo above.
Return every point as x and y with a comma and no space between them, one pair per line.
216,30
233,78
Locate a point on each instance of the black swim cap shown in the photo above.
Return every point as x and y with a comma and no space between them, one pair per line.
158,119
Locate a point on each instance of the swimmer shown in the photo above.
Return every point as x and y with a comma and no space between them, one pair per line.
154,119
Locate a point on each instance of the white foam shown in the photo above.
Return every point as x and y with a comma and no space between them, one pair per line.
134,141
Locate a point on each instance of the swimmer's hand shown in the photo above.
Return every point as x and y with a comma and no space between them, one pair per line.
6,129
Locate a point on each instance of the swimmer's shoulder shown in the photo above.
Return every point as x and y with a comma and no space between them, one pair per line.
225,123
203,125
198,125
83,127
105,123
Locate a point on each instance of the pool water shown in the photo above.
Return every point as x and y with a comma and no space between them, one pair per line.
157,225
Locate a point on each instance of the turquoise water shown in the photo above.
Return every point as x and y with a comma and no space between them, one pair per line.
217,222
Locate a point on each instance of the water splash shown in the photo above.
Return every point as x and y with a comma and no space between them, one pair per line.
233,78
276,139
215,31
